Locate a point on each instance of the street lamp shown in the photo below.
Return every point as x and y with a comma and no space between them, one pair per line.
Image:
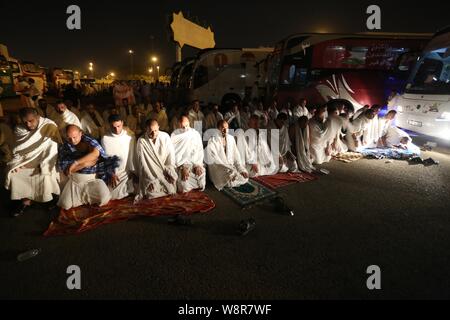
91,69
157,68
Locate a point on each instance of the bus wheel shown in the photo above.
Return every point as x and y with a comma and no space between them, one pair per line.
229,99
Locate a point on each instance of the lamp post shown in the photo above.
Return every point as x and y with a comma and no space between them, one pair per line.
131,52
157,68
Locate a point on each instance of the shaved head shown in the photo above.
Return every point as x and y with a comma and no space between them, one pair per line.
74,134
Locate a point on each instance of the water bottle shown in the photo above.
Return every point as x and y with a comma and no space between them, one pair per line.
28,255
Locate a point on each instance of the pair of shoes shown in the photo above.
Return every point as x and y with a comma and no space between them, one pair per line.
415,160
246,226
430,162
282,208
180,221
20,210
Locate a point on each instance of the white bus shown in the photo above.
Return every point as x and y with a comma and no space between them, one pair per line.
221,75
424,106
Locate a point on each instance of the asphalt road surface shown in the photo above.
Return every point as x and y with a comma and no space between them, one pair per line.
369,212
393,215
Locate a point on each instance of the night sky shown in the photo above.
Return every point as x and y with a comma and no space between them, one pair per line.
37,30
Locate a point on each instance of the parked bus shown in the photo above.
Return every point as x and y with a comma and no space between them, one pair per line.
32,70
219,75
224,75
59,77
359,68
424,107
6,78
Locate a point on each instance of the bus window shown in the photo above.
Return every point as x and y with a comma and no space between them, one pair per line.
14,67
433,74
293,75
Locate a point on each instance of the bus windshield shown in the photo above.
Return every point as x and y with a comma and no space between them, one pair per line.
31,67
432,73
185,75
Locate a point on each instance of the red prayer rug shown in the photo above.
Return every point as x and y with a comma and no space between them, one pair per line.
85,218
284,179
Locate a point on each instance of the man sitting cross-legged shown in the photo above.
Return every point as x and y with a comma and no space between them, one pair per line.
255,152
121,142
31,174
155,161
85,163
188,157
224,163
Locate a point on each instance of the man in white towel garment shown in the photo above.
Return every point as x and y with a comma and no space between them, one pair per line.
64,117
299,133
223,160
121,142
31,174
189,156
155,164
254,150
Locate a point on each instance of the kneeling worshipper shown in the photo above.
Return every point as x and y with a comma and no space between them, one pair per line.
155,164
87,167
121,143
336,124
223,160
397,138
320,146
356,129
300,135
64,117
287,160
189,156
92,123
31,174
255,152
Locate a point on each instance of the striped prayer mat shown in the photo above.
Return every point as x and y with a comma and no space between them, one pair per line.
85,218
284,179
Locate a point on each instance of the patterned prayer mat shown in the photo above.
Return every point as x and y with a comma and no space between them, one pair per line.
85,218
249,193
348,157
284,179
387,153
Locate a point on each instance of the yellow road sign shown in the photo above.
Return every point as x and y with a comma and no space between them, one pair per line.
187,32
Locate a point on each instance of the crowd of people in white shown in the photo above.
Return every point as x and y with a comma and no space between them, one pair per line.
89,158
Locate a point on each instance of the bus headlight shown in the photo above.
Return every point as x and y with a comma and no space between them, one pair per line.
445,116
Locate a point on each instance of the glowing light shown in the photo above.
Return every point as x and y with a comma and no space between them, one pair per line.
445,116
154,59
399,108
130,51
